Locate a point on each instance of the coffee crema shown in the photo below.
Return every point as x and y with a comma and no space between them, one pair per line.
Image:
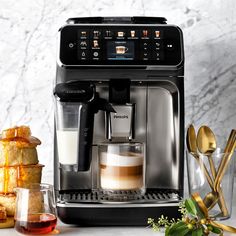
121,172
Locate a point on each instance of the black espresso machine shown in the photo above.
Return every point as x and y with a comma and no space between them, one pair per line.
119,120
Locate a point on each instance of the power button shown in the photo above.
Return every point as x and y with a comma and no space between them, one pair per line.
71,45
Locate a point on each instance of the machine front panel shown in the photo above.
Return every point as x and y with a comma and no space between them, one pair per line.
120,45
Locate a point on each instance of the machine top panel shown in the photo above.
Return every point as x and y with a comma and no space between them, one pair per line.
125,44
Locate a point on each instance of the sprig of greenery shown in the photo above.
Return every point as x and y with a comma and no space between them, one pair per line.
192,223
161,222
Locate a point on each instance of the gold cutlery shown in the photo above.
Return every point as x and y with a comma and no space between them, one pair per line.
228,153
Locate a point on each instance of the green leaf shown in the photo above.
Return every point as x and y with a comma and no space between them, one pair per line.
167,231
215,229
177,225
183,232
190,207
197,232
178,229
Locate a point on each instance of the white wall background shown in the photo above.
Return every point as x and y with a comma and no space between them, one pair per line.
28,58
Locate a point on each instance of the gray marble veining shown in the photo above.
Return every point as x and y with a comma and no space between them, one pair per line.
28,43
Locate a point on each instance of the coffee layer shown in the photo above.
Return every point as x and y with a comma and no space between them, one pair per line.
116,171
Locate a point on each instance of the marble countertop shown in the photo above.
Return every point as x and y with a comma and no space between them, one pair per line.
110,231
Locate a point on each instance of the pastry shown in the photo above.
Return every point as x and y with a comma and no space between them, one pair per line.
19,176
8,223
3,214
9,202
18,168
12,155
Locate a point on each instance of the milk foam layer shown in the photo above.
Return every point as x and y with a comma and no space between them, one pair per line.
110,159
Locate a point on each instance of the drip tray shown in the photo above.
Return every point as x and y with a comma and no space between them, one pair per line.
88,196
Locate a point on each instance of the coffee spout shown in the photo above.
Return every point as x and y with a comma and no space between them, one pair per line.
102,105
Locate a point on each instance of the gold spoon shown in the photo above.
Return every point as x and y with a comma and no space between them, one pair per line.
211,198
192,148
206,143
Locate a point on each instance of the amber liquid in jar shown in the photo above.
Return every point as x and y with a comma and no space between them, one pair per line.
41,223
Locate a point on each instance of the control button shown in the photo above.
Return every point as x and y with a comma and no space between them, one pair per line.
96,44
146,45
145,55
96,33
132,33
95,54
158,56
83,33
157,44
83,54
170,46
157,34
71,45
108,33
120,34
145,33
83,44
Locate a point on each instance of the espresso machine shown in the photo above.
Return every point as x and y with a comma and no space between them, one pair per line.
119,81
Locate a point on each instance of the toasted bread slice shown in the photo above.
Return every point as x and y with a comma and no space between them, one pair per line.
8,223
19,176
3,214
19,136
12,155
17,131
9,202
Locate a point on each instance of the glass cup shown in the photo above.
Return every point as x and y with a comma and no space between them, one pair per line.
35,209
121,169
219,203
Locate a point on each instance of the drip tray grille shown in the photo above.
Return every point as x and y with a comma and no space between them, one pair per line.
151,196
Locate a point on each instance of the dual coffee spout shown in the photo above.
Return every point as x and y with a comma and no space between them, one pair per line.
120,125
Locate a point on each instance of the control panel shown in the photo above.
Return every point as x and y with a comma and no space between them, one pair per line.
120,45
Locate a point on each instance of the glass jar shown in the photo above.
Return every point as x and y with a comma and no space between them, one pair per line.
121,169
201,180
35,209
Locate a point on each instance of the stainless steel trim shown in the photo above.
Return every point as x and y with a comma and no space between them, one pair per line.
82,205
120,125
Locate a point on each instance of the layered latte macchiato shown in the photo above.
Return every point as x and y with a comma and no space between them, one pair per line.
121,167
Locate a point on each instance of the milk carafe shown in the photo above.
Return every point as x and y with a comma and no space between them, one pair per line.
76,104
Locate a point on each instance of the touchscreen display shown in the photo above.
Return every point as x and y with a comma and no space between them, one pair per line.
120,50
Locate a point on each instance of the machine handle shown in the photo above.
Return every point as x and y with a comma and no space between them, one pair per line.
85,137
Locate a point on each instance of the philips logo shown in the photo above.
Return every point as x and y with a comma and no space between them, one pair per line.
120,117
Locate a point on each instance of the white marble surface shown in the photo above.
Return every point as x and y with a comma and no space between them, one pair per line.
28,51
